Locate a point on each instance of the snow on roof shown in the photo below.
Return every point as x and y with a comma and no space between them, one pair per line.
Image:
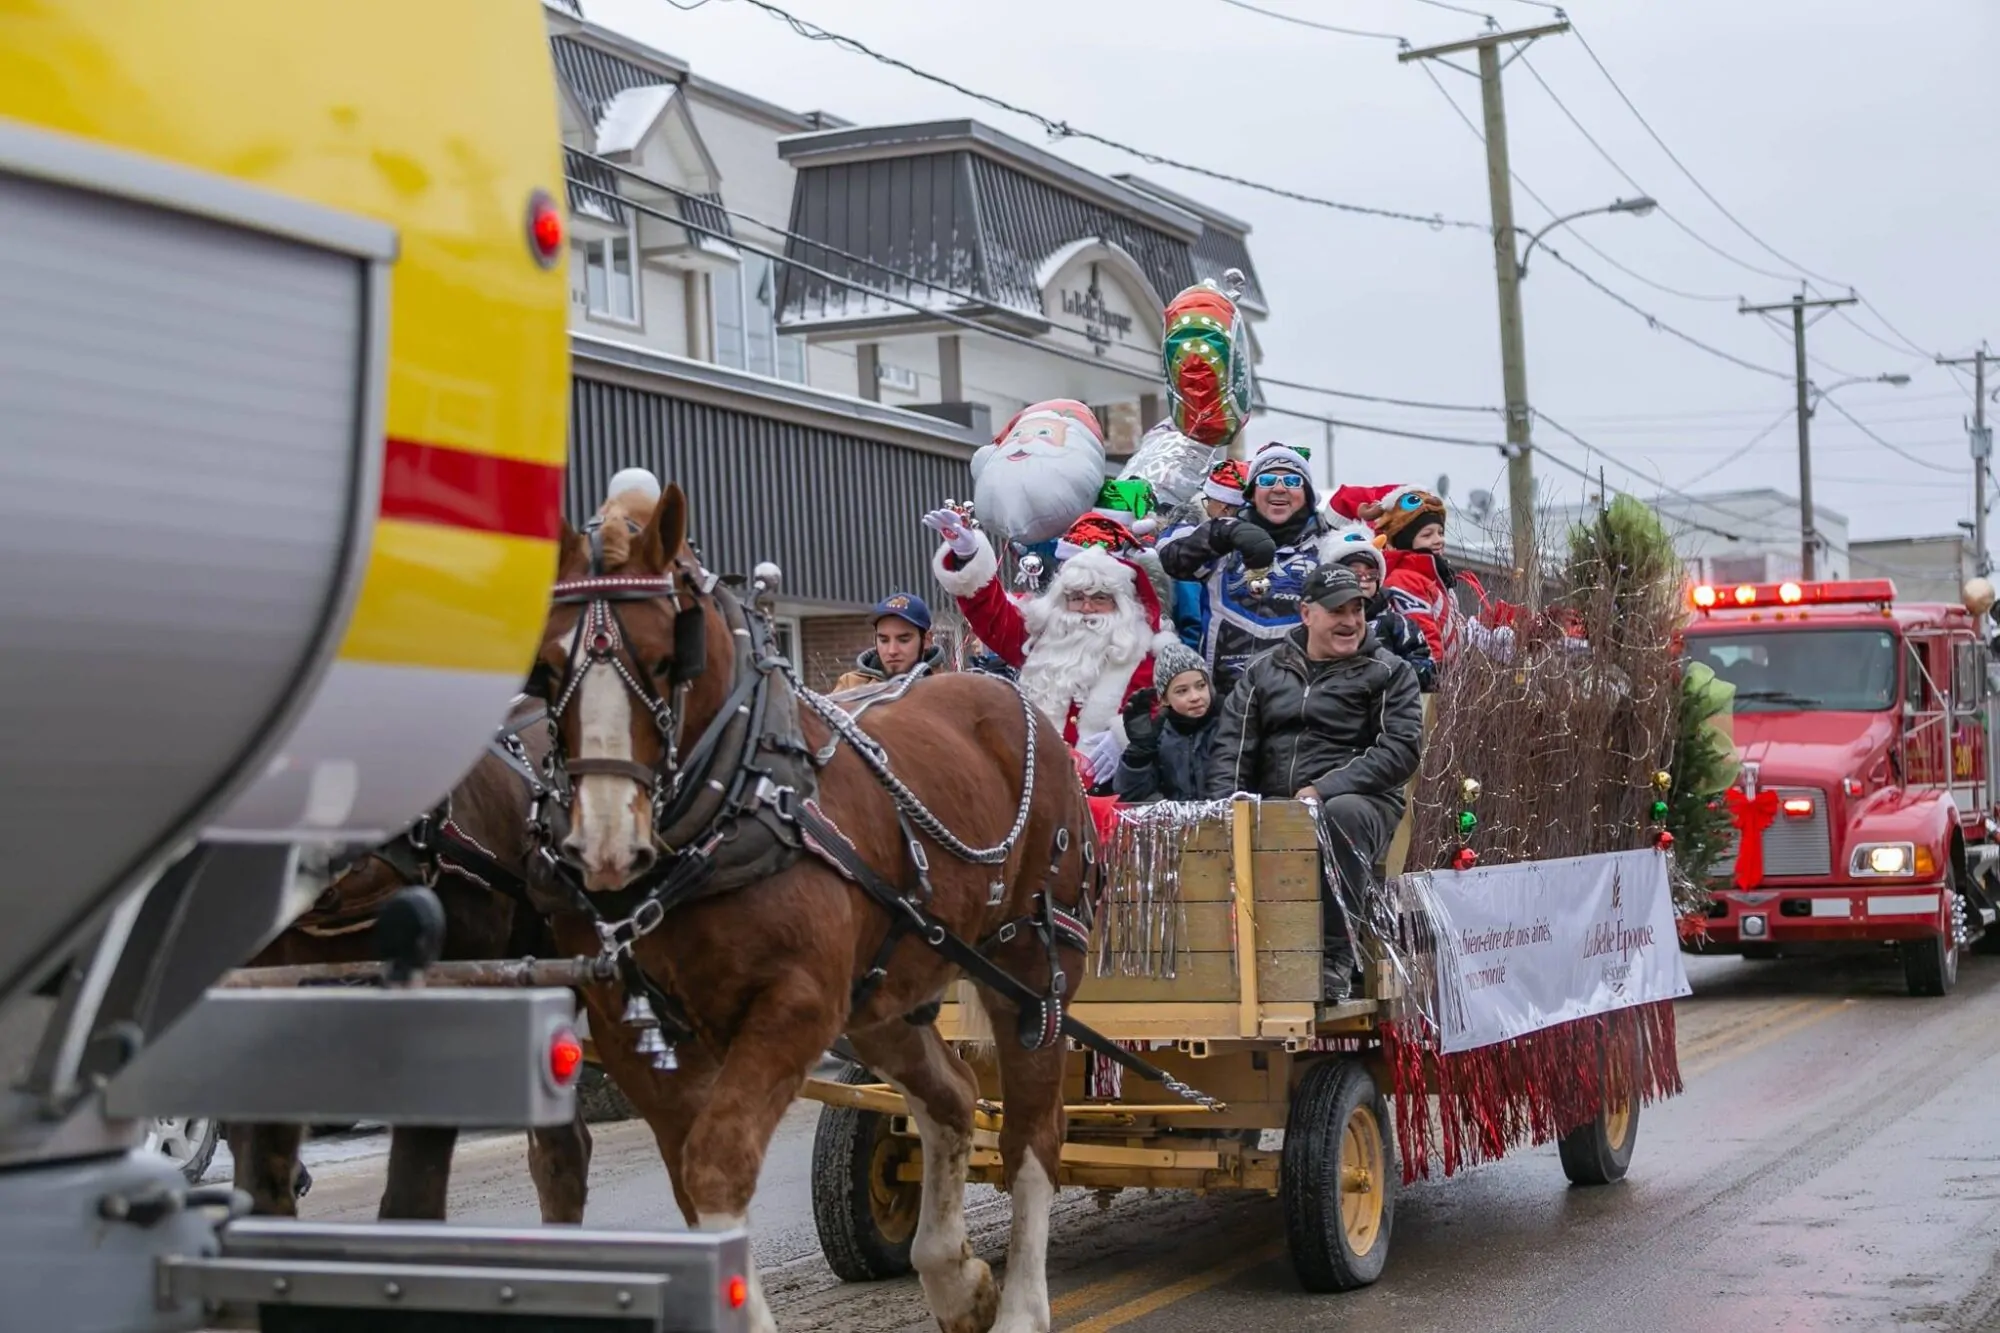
628,116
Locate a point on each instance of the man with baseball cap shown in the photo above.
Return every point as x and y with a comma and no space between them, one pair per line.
1332,717
902,643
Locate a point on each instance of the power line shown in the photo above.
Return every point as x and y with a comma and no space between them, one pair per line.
1895,449
1745,448
1398,38
1378,398
1654,320
1658,324
1665,212
1647,125
1373,428
1060,129
1457,9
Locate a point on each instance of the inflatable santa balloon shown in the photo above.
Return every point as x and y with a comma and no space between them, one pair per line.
1041,474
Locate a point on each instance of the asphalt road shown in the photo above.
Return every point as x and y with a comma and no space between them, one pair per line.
1832,1165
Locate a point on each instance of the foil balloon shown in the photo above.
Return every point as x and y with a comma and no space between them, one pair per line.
1041,474
1173,463
1206,357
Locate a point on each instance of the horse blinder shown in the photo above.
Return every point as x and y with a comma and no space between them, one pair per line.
690,645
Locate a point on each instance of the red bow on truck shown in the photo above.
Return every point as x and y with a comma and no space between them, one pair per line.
1751,815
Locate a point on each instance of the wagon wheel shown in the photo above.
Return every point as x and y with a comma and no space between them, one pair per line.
865,1215
1600,1151
1337,1179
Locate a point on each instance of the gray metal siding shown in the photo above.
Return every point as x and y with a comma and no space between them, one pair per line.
593,188
597,76
837,512
1027,220
1216,252
908,215
954,220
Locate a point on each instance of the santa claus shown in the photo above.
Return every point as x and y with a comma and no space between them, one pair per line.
1082,646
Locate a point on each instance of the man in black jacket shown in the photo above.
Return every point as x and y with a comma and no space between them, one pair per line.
1328,716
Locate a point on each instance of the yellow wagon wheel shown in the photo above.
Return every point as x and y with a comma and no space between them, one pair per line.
865,1212
1600,1152
1338,1176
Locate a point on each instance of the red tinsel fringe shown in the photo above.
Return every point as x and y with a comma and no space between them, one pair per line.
1530,1090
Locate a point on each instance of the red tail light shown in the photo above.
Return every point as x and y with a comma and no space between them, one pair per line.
565,1057
545,229
736,1292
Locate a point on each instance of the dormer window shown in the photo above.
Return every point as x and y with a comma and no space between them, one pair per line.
746,322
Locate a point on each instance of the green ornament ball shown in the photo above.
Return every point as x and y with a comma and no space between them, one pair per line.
1659,809
1467,821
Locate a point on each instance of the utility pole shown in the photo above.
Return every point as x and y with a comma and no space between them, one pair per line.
1982,449
1798,305
1506,266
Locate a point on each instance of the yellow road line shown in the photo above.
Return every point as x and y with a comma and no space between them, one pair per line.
1709,1041
1140,1307
1766,1035
1731,1044
1072,1302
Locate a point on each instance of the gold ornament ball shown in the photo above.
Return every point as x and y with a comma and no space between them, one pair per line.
1663,779
1471,788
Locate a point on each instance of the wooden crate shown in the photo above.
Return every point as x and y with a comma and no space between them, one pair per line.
1217,994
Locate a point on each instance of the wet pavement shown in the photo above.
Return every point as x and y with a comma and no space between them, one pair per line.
1834,1164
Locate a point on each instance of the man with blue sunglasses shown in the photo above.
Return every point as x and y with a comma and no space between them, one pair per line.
1254,565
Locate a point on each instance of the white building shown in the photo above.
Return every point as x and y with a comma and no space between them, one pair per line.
1749,536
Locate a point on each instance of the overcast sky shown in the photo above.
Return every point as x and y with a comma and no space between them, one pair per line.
1856,137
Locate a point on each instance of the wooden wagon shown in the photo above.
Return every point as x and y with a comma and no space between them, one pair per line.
1240,1019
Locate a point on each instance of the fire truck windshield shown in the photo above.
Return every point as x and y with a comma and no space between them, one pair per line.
1802,670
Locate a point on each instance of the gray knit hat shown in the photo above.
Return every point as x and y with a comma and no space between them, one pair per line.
1173,660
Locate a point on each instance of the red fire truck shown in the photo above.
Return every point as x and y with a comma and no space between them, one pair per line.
1865,808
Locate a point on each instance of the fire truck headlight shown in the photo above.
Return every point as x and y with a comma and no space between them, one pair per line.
1884,858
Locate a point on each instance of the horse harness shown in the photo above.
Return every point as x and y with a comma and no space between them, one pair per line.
740,806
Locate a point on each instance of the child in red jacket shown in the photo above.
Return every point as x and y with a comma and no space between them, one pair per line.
1409,526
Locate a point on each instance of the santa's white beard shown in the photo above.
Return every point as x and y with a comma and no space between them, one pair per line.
1038,497
1071,654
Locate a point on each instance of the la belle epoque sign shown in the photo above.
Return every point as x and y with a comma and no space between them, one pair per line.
1101,323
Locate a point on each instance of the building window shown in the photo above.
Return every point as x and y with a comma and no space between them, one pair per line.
610,278
785,630
746,322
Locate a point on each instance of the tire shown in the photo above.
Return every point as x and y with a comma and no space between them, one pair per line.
865,1217
1760,953
188,1143
1930,966
1337,1179
1600,1152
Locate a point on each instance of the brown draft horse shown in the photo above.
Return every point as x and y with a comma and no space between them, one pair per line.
490,806
766,972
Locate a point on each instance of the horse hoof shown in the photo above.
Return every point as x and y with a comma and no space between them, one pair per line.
984,1306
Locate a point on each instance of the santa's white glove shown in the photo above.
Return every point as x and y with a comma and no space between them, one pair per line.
950,525
1099,755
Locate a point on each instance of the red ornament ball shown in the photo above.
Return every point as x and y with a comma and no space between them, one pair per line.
1663,839
1464,859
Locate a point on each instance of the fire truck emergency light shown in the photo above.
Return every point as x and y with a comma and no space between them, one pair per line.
1706,597
1799,807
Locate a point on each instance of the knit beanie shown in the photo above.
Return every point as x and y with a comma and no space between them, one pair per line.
1173,659
1401,514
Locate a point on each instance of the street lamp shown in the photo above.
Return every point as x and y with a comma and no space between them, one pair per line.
1898,380
1638,208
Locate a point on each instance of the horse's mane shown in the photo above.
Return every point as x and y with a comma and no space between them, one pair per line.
624,517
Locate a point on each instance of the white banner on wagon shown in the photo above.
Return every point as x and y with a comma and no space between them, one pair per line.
1539,943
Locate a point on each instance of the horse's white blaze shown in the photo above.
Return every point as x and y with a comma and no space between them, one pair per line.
1024,1300
952,1278
760,1313
609,833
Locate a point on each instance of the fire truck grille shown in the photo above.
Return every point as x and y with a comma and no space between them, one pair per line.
1792,846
